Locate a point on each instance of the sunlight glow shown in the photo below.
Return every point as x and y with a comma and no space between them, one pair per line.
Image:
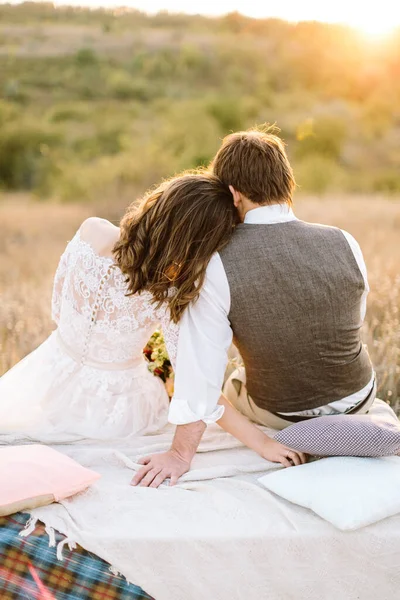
372,18
374,25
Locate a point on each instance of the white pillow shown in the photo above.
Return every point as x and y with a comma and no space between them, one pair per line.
348,492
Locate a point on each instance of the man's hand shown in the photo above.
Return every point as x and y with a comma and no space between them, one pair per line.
159,467
174,463
278,453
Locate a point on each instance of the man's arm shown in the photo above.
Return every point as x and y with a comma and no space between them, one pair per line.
199,357
205,337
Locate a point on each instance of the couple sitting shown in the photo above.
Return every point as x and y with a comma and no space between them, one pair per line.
213,257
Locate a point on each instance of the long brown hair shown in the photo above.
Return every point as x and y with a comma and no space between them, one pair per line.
167,240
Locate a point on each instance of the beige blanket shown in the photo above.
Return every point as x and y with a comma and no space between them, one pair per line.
218,534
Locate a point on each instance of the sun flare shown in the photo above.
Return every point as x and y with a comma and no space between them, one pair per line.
377,26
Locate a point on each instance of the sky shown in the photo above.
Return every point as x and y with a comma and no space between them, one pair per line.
376,17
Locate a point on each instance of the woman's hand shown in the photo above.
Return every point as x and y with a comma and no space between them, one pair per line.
253,437
278,453
159,467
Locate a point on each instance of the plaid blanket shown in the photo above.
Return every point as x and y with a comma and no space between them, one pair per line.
29,569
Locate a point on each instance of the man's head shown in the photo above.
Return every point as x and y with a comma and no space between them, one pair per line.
254,163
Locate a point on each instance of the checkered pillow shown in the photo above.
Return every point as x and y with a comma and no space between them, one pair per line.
375,434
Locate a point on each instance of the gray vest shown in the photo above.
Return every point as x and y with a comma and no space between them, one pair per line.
295,314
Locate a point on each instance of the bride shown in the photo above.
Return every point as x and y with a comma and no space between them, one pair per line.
89,379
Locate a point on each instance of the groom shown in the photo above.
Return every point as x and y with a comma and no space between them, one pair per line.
292,297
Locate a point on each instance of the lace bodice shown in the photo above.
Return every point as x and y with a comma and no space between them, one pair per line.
95,317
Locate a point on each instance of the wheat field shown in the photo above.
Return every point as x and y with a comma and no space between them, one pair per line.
33,236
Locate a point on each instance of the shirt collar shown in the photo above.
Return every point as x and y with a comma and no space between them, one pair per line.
271,213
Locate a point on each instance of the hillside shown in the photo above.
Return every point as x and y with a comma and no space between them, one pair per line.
95,103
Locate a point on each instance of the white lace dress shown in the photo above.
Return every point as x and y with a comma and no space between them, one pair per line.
89,379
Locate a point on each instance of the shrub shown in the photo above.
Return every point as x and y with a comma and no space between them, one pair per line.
69,112
317,174
23,153
106,141
13,90
85,57
228,113
187,135
8,112
123,87
387,181
324,136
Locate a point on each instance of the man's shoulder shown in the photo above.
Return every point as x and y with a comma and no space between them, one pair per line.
331,230
323,227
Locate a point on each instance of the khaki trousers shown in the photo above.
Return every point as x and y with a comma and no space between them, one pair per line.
236,391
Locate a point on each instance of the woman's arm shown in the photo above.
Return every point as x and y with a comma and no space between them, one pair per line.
251,436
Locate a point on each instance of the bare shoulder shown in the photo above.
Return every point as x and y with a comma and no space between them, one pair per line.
100,234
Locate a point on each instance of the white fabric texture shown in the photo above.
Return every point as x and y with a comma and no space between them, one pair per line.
349,492
205,336
219,533
89,378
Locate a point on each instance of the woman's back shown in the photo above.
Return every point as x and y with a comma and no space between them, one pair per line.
89,378
96,320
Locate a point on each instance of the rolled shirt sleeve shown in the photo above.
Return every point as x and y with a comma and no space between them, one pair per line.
204,339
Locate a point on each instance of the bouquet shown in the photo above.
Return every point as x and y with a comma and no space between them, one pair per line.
156,354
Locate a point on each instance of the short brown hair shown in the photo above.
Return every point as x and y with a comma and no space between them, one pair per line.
167,241
255,163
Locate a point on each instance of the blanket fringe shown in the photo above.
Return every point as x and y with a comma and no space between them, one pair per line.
117,573
30,527
60,546
52,535
114,571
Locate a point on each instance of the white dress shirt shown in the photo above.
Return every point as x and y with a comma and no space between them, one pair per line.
205,336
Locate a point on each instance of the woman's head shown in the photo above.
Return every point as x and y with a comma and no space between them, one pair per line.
168,238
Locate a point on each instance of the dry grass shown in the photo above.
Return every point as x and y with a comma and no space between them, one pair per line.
32,239
63,40
33,236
